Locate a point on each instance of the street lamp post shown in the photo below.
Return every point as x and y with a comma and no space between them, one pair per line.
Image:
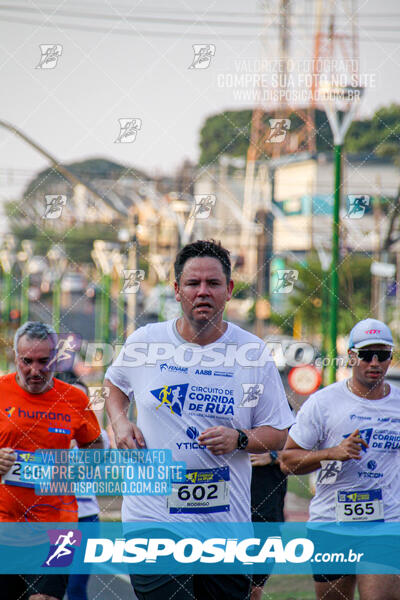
103,260
7,260
339,129
133,264
58,263
325,260
162,266
24,256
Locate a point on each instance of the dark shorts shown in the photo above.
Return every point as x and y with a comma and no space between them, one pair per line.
20,587
268,490
326,578
191,587
259,580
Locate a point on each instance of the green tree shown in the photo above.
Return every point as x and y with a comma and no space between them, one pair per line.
229,133
77,241
379,135
306,300
225,133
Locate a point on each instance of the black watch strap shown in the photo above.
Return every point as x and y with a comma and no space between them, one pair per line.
274,457
243,440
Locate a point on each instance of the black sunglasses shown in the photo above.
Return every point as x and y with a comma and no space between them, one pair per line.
368,355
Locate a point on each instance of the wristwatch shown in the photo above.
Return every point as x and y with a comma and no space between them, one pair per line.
273,456
243,440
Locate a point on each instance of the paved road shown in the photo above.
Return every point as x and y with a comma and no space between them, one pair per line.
109,587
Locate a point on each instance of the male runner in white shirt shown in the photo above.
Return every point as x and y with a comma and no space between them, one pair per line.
208,390
350,431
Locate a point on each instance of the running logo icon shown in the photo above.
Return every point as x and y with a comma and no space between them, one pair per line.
62,547
54,206
286,280
171,396
203,54
279,129
356,206
203,204
128,129
251,394
64,355
97,397
330,469
132,280
50,53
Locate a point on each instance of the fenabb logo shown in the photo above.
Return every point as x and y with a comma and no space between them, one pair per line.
192,550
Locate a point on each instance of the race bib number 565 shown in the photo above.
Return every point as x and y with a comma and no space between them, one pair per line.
359,506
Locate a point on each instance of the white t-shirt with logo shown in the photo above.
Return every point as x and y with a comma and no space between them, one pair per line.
186,389
324,420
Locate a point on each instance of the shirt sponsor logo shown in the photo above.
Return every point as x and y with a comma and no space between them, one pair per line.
173,368
223,373
59,430
172,397
369,475
9,411
211,400
386,439
360,417
192,433
39,414
365,434
379,439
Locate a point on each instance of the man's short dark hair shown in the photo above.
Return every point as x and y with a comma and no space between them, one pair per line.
203,248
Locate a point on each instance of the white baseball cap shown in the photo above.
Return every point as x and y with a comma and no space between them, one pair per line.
370,331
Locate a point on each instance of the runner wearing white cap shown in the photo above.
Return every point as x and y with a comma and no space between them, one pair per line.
350,432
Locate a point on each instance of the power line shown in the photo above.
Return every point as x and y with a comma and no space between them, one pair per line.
170,21
239,14
131,32
155,33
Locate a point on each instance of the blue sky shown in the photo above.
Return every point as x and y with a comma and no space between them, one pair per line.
105,75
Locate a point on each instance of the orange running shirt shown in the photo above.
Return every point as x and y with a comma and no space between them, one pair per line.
32,422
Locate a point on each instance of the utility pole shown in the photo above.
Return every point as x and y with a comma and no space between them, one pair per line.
339,130
133,264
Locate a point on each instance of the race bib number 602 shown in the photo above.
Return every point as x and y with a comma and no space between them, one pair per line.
204,491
